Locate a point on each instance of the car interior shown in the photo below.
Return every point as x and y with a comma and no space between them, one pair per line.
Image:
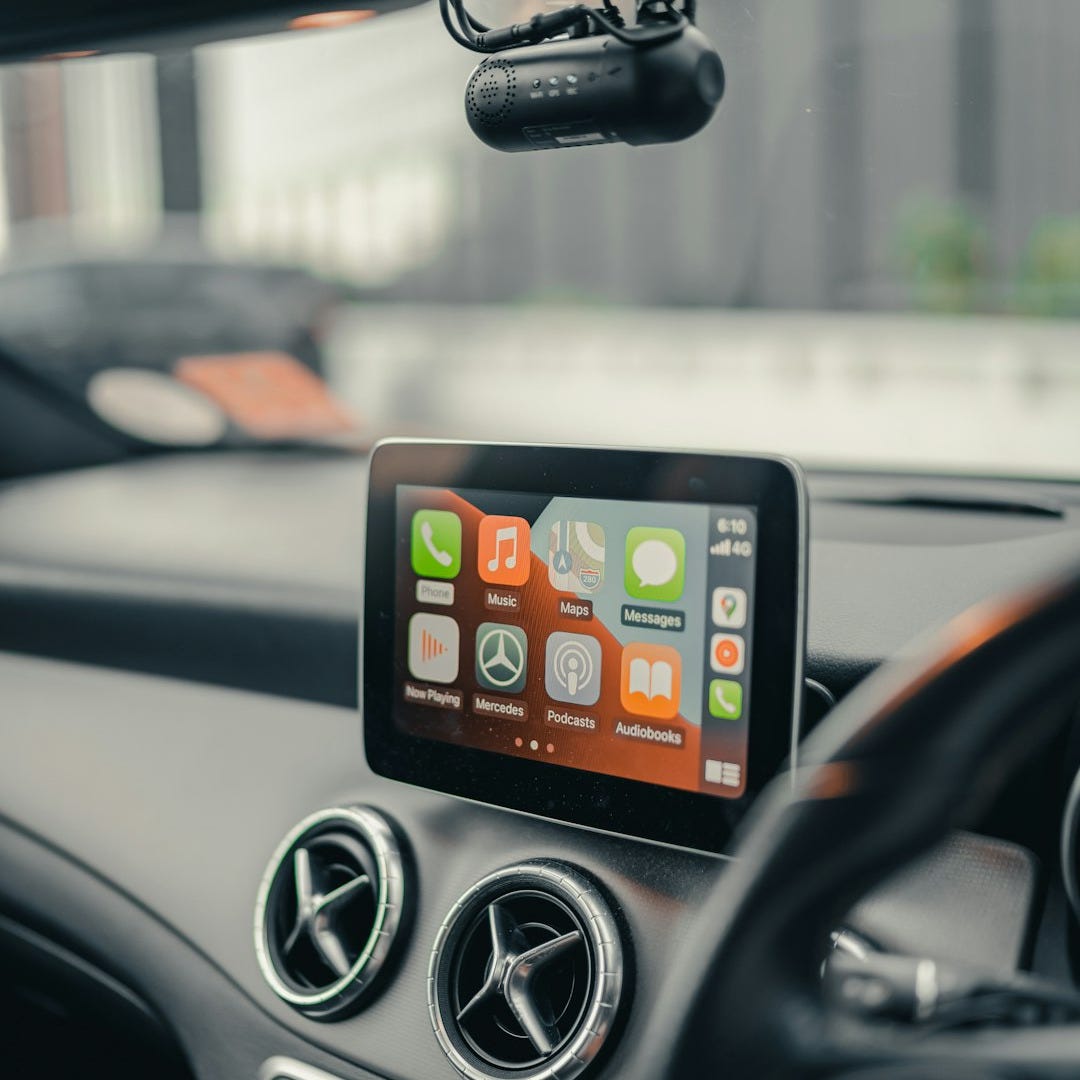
539,540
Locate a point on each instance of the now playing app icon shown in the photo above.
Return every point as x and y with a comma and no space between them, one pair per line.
434,648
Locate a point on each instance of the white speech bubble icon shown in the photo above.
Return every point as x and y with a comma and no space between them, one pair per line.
654,562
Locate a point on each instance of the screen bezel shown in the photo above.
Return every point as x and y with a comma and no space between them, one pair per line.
702,821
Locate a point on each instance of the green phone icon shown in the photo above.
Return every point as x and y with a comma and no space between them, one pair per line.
655,563
436,544
725,699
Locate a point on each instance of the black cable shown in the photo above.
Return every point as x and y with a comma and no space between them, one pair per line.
466,21
452,27
653,35
476,24
473,34
472,28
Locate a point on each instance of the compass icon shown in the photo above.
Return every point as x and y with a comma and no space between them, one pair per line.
502,654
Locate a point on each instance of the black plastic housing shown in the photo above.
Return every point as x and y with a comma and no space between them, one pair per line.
773,486
595,90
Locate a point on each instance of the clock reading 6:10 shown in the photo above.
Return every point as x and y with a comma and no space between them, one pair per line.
735,526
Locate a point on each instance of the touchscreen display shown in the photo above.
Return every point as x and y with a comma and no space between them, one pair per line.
606,635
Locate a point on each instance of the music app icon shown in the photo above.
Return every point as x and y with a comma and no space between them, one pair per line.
503,555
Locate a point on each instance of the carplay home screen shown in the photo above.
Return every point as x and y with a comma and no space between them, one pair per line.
605,635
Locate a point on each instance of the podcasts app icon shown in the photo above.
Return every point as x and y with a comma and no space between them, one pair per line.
572,668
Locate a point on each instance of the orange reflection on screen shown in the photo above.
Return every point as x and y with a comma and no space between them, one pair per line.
331,20
270,395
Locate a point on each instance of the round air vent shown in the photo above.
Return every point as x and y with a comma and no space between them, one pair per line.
526,975
491,91
330,906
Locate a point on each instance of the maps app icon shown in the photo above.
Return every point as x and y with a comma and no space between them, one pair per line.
576,556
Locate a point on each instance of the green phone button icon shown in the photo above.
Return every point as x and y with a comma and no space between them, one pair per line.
725,699
436,544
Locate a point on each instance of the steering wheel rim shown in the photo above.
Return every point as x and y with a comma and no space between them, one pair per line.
750,1003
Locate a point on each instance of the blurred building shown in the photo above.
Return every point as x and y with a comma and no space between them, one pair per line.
858,140
869,157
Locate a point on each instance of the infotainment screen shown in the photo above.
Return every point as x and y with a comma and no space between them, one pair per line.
604,637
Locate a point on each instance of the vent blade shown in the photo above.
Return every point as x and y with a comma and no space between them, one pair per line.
329,910
526,962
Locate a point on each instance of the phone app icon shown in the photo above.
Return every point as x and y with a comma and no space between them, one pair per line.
436,544
434,648
572,668
727,653
729,607
502,655
576,555
651,677
725,699
655,563
503,554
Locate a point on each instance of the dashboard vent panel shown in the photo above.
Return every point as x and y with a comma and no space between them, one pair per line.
329,910
526,974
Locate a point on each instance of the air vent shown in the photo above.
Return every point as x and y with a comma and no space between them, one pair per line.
491,91
526,975
329,910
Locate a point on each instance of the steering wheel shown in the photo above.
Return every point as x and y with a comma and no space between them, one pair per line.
910,754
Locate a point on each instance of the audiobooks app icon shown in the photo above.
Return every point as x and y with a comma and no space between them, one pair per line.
651,677
434,648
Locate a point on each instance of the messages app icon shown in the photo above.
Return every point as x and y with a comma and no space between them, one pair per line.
655,564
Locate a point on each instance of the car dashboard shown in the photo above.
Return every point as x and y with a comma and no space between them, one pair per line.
180,690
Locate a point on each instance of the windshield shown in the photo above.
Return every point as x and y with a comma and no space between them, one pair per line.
870,257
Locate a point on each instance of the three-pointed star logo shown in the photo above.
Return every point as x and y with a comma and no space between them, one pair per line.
501,657
513,976
316,913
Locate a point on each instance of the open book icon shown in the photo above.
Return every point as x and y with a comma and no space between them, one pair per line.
653,680
650,680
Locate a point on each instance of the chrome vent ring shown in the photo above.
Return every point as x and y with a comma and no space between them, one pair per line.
329,910
526,975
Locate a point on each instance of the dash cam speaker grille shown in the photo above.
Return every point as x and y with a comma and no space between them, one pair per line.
491,92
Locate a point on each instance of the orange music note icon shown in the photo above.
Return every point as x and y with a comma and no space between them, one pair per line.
503,554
